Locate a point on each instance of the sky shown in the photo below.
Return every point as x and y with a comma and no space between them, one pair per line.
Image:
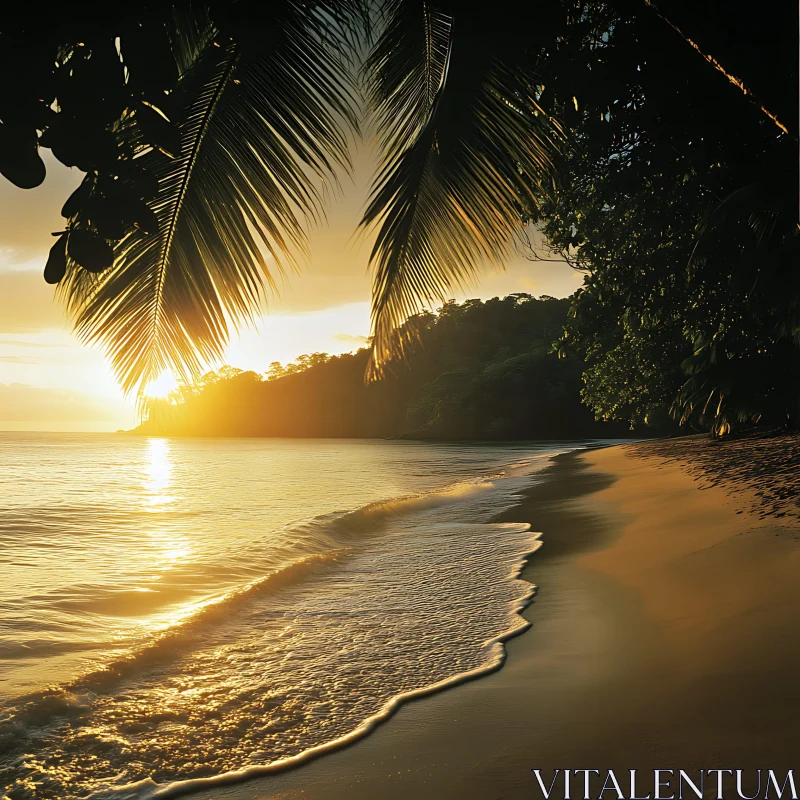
49,381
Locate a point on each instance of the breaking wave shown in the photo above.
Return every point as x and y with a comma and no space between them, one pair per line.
356,612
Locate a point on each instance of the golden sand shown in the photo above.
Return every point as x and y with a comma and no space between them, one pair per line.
664,636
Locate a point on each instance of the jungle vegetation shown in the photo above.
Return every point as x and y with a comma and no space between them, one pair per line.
654,144
679,202
477,370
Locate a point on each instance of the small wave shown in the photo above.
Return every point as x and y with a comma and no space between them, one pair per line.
375,517
37,709
148,789
181,651
327,532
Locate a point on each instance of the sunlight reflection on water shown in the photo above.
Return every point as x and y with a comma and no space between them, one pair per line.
249,598
158,470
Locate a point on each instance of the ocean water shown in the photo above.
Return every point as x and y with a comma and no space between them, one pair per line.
175,610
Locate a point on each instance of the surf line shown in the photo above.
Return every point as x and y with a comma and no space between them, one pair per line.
666,785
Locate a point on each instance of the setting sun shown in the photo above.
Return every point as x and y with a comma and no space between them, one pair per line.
162,385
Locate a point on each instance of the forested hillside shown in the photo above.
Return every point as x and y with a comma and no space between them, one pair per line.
478,370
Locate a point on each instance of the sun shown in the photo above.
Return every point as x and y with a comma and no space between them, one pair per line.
162,385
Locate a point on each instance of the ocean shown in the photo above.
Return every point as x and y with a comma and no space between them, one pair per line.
175,610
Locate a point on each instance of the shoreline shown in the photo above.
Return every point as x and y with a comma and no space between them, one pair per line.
651,594
148,789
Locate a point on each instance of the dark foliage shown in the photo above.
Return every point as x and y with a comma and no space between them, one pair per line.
204,130
479,370
679,200
653,141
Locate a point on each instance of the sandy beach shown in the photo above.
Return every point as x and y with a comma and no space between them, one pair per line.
663,636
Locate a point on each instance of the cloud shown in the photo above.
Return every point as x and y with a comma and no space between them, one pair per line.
23,343
25,406
349,339
31,215
27,303
335,273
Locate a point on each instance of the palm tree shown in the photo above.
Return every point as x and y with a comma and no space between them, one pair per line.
210,132
220,128
466,146
235,150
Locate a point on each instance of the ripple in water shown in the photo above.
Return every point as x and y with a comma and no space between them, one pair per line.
407,597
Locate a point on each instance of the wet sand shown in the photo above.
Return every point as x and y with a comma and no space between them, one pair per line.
664,636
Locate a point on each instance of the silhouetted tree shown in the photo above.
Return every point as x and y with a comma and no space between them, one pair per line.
679,202
478,370
650,140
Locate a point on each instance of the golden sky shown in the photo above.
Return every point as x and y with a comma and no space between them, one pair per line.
48,381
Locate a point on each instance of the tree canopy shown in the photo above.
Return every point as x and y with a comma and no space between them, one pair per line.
209,131
653,143
679,202
477,370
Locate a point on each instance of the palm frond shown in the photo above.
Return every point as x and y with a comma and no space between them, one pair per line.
259,134
456,170
764,208
405,70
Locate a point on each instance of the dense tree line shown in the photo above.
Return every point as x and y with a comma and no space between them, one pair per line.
653,143
476,370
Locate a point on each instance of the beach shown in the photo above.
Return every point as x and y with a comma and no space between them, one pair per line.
663,636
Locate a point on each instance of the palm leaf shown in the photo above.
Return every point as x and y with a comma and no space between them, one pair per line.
457,167
258,135
405,69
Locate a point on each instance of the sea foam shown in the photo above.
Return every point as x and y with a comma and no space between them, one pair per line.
370,608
